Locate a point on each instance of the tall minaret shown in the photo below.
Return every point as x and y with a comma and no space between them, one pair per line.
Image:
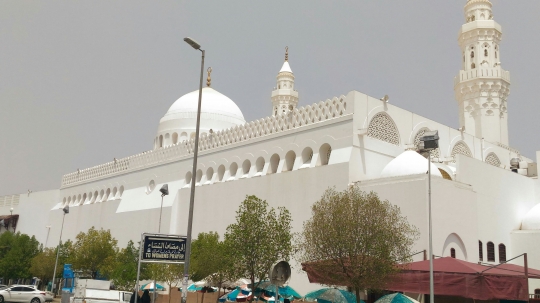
482,86
284,96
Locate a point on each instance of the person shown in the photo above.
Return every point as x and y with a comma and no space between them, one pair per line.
132,299
145,297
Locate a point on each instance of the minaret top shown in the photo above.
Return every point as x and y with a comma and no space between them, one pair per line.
286,67
478,10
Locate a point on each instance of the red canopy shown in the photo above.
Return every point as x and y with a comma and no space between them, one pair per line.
453,277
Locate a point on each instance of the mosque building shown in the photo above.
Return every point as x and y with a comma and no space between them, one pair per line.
485,194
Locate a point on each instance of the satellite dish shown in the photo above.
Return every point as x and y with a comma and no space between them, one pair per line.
280,273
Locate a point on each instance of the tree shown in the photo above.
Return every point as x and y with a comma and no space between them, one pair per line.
94,251
123,271
355,239
42,265
170,274
211,260
260,238
16,253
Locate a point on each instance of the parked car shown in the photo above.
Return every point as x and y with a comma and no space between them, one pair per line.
21,293
2,286
48,295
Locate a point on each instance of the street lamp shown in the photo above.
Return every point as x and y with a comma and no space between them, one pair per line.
196,46
11,211
66,211
431,142
164,192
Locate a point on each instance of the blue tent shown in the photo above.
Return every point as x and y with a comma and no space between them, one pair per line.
284,291
331,295
396,298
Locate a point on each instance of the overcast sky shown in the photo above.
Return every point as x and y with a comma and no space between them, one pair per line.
82,82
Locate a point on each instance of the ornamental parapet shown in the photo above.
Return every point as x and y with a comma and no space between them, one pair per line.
482,73
298,118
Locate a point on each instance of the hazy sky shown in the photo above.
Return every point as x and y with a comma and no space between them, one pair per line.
82,82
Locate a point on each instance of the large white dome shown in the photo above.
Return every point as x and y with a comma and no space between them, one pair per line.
217,112
409,163
531,221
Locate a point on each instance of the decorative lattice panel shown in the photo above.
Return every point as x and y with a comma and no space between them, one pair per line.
383,128
436,153
461,148
493,160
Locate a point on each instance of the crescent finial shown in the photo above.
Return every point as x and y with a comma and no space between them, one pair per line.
209,80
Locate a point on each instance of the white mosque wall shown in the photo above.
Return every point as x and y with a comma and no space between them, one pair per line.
216,205
527,241
454,212
503,199
33,218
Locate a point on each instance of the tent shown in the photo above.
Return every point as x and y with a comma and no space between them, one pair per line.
453,277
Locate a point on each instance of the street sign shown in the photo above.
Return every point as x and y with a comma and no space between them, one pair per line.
162,248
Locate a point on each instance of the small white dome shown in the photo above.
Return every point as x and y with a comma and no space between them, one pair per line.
531,221
409,163
217,112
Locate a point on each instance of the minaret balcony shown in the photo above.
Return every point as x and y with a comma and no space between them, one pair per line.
490,73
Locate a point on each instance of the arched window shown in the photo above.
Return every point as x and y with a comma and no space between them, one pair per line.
167,139
473,18
307,156
492,159
188,178
289,161
537,293
246,166
174,138
473,66
452,253
462,149
472,55
160,140
209,175
485,52
490,252
324,154
221,172
183,136
502,253
259,166
383,128
233,169
274,163
480,251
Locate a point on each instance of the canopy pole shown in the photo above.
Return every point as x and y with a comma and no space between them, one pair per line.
525,264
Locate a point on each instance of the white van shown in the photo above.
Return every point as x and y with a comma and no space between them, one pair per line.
97,291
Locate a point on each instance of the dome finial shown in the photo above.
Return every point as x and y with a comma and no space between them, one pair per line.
286,53
209,80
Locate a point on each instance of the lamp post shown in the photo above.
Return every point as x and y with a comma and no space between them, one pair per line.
66,211
196,46
11,219
164,192
431,142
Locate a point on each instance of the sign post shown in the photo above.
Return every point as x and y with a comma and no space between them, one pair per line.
160,248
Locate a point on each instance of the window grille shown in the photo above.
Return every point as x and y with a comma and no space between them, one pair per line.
490,252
